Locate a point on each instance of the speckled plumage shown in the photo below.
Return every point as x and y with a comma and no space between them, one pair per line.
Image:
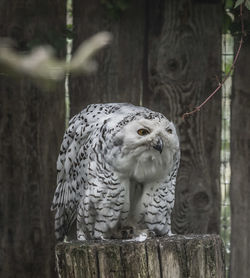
111,176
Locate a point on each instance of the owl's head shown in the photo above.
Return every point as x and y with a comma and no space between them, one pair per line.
145,148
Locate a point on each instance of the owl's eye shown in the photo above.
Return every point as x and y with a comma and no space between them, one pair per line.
142,131
170,131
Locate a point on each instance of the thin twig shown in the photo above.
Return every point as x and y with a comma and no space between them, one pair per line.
197,109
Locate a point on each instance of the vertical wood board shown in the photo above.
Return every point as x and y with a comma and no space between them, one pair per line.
31,128
240,165
119,74
184,53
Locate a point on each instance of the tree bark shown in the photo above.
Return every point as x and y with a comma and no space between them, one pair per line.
184,53
167,257
240,162
31,129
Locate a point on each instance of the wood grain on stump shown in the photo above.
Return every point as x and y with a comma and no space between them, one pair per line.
177,256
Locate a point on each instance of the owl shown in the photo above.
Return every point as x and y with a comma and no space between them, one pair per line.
117,168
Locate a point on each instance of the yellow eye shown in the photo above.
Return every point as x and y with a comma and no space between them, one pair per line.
142,132
170,131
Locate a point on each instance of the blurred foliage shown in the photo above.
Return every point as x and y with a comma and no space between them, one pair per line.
44,68
231,22
227,22
226,233
225,171
69,20
69,32
69,8
51,37
115,8
226,67
246,3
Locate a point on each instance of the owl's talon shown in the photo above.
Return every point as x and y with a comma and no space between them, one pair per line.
141,237
170,234
81,238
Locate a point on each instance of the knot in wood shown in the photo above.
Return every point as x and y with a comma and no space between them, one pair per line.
172,64
201,200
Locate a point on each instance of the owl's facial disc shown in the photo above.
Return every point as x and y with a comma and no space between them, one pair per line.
145,149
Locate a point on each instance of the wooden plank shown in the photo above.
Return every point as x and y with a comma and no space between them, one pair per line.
134,260
184,47
109,261
177,256
170,257
203,259
119,77
31,128
240,157
153,262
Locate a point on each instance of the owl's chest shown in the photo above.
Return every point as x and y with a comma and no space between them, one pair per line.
137,199
148,168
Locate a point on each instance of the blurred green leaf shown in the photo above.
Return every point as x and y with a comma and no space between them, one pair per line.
70,27
247,4
238,3
69,33
229,4
122,5
227,22
115,7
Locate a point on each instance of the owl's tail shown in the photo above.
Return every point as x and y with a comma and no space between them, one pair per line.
64,219
60,224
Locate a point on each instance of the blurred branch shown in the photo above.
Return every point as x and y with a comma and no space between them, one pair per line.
44,68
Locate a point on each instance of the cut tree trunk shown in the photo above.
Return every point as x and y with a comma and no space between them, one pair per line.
174,257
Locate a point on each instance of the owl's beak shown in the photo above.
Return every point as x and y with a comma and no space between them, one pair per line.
159,145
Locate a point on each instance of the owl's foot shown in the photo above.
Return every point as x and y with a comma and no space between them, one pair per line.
141,237
81,236
170,234
66,239
99,235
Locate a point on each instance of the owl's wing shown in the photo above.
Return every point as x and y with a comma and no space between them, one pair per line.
176,164
68,189
70,166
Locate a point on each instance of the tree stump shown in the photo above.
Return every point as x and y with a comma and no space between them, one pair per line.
196,256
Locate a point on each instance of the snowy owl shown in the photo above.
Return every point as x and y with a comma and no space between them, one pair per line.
116,169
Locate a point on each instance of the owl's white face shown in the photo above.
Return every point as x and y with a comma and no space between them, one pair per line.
146,149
